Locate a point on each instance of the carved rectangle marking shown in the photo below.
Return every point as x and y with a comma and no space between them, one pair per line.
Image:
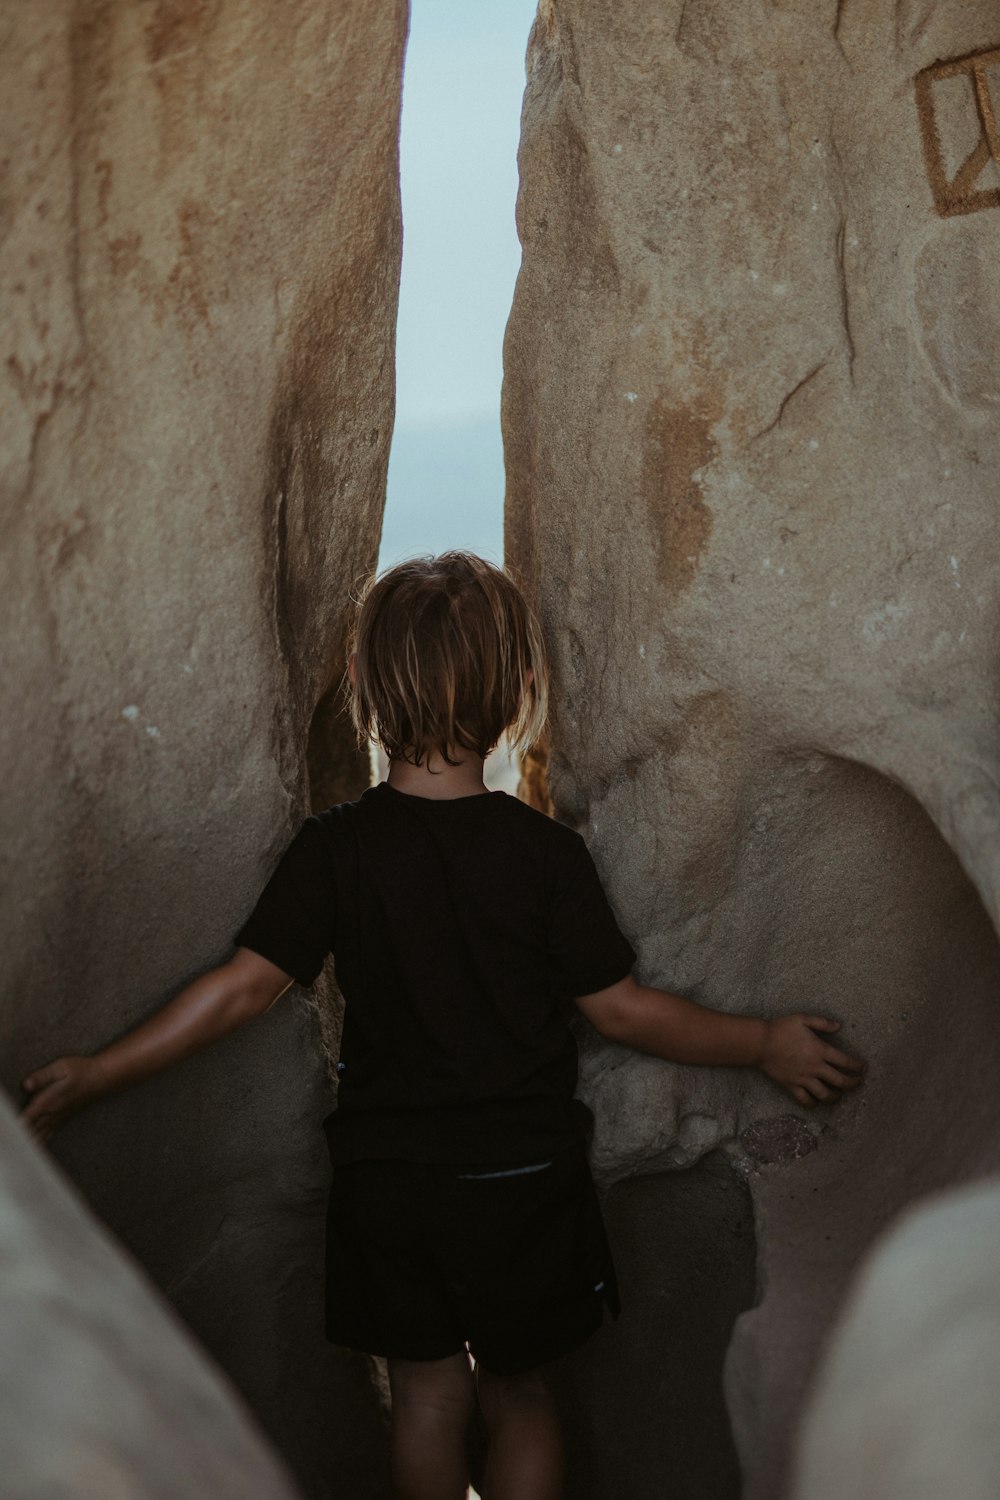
959,193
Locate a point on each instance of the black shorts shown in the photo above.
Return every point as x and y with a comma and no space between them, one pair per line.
424,1259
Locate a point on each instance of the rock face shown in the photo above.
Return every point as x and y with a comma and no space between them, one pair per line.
905,1404
685,1238
750,422
201,258
99,1377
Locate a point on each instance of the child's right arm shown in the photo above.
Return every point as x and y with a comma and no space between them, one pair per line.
786,1048
208,1008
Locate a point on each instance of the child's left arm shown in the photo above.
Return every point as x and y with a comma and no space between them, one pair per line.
786,1048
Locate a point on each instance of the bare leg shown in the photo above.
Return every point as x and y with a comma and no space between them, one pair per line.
432,1401
525,1459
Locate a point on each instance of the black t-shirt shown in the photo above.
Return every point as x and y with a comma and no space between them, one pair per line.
461,931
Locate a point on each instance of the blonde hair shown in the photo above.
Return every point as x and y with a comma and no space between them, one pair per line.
449,655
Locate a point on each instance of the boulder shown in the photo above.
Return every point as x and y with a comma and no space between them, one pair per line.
201,260
904,1404
104,1391
750,428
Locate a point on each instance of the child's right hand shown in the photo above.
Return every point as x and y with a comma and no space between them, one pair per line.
809,1068
57,1091
209,1007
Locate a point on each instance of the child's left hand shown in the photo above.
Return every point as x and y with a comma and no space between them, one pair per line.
803,1063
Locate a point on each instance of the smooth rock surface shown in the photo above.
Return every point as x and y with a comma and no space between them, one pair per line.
905,1403
201,259
104,1395
750,427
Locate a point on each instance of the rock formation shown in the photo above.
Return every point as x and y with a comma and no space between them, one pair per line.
98,1377
201,257
750,425
905,1405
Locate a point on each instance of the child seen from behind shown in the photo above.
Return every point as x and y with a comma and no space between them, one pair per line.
465,928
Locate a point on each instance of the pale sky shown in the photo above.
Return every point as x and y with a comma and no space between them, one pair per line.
462,89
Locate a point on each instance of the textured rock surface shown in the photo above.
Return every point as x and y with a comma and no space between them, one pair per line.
99,1378
751,437
201,255
687,1238
905,1404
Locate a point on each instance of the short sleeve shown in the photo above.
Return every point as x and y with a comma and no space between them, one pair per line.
585,944
293,921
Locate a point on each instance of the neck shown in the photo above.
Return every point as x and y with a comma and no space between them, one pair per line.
435,778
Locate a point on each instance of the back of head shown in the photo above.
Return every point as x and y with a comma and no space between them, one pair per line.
449,655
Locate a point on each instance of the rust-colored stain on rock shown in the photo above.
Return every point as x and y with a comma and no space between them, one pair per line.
677,446
124,253
778,1139
185,283
175,24
963,193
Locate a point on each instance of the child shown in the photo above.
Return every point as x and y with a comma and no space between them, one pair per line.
464,924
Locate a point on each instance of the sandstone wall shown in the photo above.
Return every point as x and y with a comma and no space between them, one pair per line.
750,422
201,256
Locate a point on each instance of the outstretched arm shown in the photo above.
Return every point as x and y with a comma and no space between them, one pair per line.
210,1007
786,1048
